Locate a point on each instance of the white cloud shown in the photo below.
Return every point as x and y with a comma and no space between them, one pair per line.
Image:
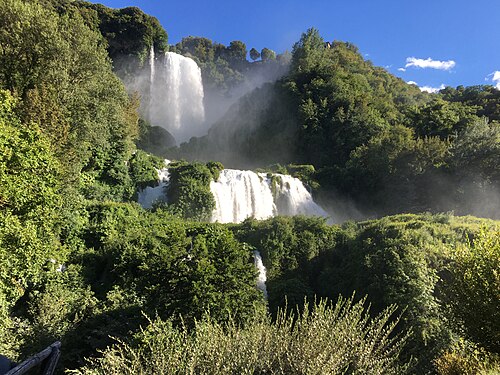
429,63
496,78
432,90
402,69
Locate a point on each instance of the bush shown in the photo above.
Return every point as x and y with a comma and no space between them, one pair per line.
474,290
322,340
188,192
466,358
143,169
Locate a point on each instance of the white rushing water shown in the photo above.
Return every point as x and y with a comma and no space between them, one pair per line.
175,95
150,195
262,278
243,194
152,70
293,198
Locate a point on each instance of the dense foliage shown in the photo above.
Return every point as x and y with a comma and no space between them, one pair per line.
474,289
29,202
130,263
291,345
188,190
371,137
402,260
129,31
60,70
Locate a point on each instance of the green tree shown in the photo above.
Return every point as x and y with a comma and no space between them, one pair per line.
189,192
237,51
441,118
178,268
65,78
485,99
395,163
476,151
267,54
29,200
143,169
308,50
202,49
254,54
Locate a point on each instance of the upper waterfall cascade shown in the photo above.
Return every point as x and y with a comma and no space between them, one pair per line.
244,194
174,95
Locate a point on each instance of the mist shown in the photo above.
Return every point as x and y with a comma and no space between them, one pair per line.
171,92
174,96
253,126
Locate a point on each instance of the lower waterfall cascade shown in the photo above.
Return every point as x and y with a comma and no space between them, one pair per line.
262,278
151,195
241,194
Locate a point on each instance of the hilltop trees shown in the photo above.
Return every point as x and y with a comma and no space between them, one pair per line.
267,54
254,54
237,51
63,76
225,67
129,31
308,50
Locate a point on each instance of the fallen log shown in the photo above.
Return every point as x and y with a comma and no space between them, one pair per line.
46,359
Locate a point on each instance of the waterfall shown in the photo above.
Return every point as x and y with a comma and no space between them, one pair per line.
151,69
294,199
262,278
243,194
150,195
174,95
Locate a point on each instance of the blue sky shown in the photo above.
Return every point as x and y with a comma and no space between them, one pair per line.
452,42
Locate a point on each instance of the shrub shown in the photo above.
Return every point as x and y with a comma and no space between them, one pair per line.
474,290
466,358
189,192
324,339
